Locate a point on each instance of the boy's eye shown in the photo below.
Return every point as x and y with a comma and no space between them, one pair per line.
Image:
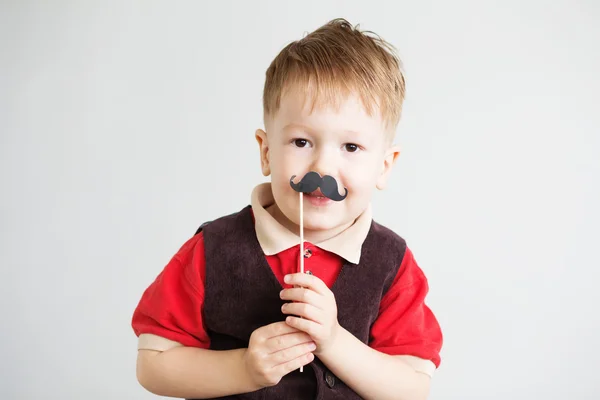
350,147
301,142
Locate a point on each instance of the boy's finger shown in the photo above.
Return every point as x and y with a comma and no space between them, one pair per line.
302,295
292,353
287,341
295,364
276,329
305,325
304,310
307,280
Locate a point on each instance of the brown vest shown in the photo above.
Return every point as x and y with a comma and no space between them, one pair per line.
242,294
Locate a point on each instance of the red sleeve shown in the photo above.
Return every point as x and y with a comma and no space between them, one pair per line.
406,325
171,307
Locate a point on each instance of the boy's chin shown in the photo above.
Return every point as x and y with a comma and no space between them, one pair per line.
321,223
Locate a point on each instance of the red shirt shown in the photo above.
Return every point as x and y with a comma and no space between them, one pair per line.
171,306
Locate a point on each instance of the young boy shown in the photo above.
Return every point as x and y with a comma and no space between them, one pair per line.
231,316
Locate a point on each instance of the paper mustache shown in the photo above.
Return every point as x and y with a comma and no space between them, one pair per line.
313,181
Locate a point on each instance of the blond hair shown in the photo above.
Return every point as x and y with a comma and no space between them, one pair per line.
335,60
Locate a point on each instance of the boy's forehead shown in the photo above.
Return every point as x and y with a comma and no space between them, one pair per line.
345,111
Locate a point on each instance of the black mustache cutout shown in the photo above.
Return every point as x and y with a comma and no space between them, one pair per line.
313,181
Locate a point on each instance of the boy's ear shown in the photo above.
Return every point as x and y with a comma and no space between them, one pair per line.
263,145
391,156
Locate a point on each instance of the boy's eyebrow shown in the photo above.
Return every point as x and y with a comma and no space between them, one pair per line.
293,125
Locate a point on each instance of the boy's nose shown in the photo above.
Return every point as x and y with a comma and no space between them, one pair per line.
325,160
323,167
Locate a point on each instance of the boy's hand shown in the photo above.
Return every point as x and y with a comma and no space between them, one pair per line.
274,351
315,303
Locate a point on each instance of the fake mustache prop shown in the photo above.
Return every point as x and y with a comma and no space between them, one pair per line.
313,181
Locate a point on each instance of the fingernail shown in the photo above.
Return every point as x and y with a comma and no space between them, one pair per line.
287,278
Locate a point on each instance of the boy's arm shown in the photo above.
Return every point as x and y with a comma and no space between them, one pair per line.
273,351
188,372
373,374
405,327
173,357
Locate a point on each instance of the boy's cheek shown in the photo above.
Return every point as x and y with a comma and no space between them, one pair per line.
285,162
358,181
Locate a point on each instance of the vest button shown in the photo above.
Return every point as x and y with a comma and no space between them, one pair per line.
330,379
307,253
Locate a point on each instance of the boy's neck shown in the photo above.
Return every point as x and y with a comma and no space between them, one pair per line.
312,236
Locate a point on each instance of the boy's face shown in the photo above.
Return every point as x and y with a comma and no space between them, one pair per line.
345,143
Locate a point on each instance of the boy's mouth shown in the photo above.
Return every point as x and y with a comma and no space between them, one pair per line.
317,198
317,193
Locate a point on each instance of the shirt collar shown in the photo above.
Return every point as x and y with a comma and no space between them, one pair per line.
274,237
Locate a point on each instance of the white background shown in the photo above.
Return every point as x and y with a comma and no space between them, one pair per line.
124,125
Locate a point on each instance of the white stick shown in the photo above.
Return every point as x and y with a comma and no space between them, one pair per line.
301,242
301,234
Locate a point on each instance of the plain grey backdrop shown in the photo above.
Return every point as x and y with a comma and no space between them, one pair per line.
124,125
